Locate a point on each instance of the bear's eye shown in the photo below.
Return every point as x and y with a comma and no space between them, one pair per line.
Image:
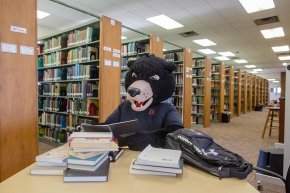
155,77
134,75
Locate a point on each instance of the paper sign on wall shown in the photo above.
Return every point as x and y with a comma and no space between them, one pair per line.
108,62
107,48
116,63
18,29
9,48
116,51
116,55
26,50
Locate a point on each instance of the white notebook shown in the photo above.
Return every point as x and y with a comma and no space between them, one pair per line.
159,157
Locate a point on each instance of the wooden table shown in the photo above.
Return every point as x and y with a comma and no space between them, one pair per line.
192,180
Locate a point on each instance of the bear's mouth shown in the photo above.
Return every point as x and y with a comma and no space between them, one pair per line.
140,104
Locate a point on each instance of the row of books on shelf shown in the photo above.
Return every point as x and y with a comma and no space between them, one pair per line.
82,36
76,37
197,100
135,47
54,120
179,68
197,72
80,54
215,77
199,63
76,72
78,107
197,119
198,109
178,78
198,91
79,89
173,56
214,115
54,134
215,68
53,43
197,81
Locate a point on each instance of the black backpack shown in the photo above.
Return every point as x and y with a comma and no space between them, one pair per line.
199,149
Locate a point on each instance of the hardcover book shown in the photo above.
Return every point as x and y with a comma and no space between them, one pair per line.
100,175
178,170
48,170
156,173
88,167
159,157
89,161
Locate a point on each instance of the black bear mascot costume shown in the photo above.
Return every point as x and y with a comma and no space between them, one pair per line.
148,83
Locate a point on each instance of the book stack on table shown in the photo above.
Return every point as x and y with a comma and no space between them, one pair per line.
53,162
157,161
88,159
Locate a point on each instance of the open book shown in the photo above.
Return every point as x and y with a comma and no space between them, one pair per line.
120,129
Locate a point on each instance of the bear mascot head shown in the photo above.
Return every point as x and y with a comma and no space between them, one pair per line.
148,82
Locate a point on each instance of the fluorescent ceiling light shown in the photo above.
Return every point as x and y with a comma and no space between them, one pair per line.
284,57
271,79
280,48
164,21
222,58
273,33
275,81
164,49
252,6
284,64
226,54
258,70
42,14
204,42
207,51
123,37
250,66
241,61
254,72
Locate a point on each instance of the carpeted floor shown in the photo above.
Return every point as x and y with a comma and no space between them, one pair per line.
242,135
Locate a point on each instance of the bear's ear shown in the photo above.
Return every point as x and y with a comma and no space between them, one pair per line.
170,66
130,63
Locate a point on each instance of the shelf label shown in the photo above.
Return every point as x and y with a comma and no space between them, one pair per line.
116,63
117,51
9,48
108,62
116,55
18,29
107,49
157,38
26,50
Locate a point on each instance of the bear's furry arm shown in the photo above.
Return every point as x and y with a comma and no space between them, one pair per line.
115,116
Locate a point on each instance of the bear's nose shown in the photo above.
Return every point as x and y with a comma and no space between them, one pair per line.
134,91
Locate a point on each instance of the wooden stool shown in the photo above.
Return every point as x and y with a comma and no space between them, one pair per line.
272,112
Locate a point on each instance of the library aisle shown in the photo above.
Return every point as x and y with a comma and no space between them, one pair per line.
242,135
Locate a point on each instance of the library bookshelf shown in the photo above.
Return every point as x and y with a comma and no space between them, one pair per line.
201,83
182,96
229,90
217,91
73,81
249,93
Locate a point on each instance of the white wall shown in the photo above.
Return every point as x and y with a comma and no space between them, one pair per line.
274,96
44,31
287,125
